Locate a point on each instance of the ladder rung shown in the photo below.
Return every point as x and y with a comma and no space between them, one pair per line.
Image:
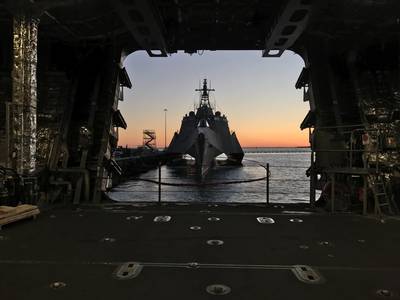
383,204
380,194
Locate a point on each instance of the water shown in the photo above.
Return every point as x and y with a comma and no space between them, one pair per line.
288,182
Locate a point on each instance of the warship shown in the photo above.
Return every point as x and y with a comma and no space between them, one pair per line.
204,135
62,77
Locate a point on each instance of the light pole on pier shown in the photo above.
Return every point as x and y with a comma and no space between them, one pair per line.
165,128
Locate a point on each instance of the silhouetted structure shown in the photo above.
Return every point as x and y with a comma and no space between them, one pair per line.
205,135
149,139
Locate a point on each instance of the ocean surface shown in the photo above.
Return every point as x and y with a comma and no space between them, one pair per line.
288,182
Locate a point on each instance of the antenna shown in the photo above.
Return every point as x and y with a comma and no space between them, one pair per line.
204,94
199,93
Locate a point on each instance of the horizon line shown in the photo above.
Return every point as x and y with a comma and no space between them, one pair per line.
242,146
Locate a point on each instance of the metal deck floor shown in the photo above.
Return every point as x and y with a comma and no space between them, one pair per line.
356,256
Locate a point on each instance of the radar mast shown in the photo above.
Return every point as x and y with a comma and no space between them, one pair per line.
205,94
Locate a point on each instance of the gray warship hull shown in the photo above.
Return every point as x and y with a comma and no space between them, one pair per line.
204,135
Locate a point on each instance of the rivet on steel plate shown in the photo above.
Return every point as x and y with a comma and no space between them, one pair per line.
134,218
128,270
361,241
278,206
384,293
265,220
214,219
108,240
140,204
193,265
218,289
215,242
212,205
296,212
162,219
195,228
205,211
296,220
304,247
331,255
58,285
325,243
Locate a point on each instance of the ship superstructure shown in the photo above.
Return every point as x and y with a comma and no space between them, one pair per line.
204,135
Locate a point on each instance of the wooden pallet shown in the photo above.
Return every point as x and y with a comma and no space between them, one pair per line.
10,214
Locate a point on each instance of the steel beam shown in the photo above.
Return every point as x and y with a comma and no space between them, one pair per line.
138,16
289,26
24,93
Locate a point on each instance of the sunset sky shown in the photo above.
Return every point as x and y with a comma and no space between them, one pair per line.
256,94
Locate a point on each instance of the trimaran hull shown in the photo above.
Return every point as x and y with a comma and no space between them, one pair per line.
205,135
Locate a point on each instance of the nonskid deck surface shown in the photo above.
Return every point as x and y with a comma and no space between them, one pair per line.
352,256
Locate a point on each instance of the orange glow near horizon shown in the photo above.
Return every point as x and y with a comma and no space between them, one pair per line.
256,94
284,137
298,141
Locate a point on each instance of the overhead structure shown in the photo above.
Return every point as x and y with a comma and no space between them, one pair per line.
288,27
59,114
142,23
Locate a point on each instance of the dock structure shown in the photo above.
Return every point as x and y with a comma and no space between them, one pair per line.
149,139
61,81
62,78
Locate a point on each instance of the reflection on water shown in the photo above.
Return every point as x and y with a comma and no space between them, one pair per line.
288,182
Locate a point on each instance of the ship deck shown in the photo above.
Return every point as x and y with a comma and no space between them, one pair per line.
354,256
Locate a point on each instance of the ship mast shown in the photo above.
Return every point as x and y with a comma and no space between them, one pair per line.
205,94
